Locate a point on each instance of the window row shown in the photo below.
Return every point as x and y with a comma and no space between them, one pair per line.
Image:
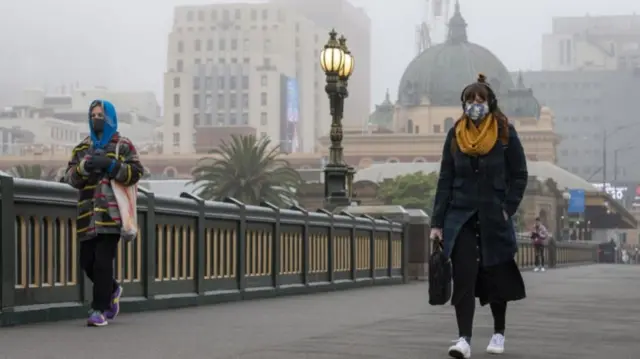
208,100
222,45
221,119
238,14
222,83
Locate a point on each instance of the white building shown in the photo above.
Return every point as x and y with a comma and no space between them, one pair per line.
247,65
143,103
38,131
592,43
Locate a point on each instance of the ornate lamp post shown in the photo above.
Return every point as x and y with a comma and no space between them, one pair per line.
337,63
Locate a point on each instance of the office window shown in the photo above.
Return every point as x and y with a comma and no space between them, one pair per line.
267,45
222,45
196,83
254,15
221,84
176,138
263,118
209,45
176,82
233,101
233,119
220,119
245,100
208,83
233,83
220,100
180,46
190,16
214,15
245,118
196,119
176,119
179,66
176,100
196,101
208,119
265,14
238,14
234,44
245,82
200,15
198,45
263,80
263,99
436,129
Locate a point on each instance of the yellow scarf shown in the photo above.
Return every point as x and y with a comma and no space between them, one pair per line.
476,140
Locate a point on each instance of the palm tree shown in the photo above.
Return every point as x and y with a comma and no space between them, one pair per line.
248,169
37,172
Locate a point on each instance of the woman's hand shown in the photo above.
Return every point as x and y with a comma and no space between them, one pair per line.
436,234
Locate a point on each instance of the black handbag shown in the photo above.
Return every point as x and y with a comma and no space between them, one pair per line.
439,276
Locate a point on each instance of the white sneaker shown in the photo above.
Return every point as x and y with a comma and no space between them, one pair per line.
496,345
542,269
460,350
536,269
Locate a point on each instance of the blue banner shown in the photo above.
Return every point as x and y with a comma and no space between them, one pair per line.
576,201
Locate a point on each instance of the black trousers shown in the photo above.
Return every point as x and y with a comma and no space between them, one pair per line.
539,252
469,278
96,260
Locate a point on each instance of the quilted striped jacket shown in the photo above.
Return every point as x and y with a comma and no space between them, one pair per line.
97,208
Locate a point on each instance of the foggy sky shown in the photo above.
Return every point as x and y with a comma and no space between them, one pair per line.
122,44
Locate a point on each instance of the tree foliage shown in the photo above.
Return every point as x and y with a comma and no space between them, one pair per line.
414,190
37,172
248,169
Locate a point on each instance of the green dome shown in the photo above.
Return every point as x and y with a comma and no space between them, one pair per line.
442,71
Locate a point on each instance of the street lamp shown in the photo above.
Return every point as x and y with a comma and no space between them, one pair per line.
337,62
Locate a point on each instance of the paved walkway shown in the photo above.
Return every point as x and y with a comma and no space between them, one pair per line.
588,312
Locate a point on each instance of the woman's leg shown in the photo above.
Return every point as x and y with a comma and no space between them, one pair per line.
465,260
499,312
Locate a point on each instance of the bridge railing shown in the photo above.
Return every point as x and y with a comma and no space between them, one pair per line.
188,252
556,254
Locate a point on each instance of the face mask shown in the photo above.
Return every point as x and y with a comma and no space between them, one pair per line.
476,111
98,126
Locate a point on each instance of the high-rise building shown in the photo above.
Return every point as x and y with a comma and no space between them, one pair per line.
587,106
592,43
248,65
354,23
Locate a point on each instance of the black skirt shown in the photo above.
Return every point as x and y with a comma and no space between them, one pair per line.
494,284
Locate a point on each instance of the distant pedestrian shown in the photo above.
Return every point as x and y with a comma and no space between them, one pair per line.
539,234
92,166
483,176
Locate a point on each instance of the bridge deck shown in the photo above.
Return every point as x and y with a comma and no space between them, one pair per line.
582,312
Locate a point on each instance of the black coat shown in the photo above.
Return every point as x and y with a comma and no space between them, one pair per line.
489,185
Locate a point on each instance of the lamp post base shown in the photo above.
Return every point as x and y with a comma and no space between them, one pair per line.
336,193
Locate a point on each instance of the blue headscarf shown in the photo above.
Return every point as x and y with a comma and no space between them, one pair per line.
110,123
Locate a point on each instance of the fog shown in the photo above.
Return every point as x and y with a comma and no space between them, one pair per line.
122,44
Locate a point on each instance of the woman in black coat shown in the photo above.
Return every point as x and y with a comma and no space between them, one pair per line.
483,176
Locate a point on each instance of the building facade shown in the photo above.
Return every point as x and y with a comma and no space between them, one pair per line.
589,105
592,43
355,24
251,65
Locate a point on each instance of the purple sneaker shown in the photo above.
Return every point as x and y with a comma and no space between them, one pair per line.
96,319
113,311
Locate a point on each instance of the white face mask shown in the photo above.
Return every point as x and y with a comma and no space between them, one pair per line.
476,111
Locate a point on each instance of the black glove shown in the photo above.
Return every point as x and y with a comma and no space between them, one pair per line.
98,162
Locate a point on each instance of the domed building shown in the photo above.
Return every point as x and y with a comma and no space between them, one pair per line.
413,128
